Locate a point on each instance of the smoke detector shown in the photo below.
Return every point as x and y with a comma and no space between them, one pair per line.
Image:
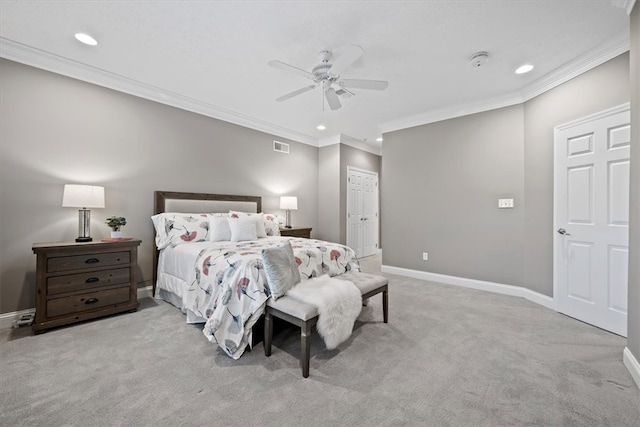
479,59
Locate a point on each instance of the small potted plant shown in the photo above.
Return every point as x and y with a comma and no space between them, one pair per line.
116,222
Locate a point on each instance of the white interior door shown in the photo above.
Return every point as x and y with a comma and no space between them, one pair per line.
362,211
591,253
369,214
355,208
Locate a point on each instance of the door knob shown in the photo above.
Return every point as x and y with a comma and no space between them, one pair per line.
563,232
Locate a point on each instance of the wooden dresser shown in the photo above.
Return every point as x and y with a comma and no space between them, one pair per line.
80,281
304,232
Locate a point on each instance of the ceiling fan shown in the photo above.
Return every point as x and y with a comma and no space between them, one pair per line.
327,75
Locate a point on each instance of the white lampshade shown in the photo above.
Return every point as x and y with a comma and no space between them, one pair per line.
290,203
83,196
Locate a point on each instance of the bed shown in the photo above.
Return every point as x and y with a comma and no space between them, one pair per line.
219,282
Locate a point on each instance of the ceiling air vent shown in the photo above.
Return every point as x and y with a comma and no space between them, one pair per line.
281,147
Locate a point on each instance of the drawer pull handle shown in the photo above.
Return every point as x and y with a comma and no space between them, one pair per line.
92,280
92,261
91,301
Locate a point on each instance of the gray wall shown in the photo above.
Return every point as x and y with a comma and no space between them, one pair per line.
634,236
56,130
329,193
440,189
353,157
441,183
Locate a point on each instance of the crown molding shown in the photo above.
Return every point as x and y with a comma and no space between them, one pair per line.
64,66
579,65
360,145
351,142
570,70
67,67
451,112
330,140
624,4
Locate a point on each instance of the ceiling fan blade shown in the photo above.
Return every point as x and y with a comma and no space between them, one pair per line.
296,93
349,55
332,99
290,68
364,84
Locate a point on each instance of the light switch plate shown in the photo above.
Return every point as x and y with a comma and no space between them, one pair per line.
505,203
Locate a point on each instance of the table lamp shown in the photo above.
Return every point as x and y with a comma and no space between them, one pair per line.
288,203
83,196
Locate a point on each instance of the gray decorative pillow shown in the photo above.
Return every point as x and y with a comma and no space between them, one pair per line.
281,269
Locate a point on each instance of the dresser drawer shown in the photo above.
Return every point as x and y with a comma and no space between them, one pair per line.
87,281
88,301
76,262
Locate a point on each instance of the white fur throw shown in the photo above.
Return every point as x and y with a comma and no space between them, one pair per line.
338,301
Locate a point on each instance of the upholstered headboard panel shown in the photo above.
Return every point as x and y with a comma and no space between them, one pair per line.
172,201
207,206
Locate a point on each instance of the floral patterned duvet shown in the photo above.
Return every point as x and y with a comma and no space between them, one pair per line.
231,289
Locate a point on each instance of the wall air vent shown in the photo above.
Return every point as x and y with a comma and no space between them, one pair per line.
281,147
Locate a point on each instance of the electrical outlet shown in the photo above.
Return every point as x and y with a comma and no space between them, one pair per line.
425,256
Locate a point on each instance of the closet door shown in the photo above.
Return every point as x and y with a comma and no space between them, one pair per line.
362,211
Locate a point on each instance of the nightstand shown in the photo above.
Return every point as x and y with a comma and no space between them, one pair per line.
81,281
303,232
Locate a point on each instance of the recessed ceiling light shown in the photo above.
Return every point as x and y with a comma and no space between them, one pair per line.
86,39
379,139
524,69
321,127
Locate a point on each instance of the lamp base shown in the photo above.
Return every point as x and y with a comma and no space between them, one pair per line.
288,222
84,239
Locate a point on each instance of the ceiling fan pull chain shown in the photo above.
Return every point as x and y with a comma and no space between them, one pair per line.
322,95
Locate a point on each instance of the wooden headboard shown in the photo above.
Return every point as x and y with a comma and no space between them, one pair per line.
172,201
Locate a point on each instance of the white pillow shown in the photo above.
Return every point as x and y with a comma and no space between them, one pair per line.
173,228
256,217
219,228
242,229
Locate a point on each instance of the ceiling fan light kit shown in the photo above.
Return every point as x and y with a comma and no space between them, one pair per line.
327,74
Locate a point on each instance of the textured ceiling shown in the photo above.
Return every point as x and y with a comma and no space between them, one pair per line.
215,54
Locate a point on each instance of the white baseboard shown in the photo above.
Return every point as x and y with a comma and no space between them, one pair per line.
6,319
146,292
481,285
632,365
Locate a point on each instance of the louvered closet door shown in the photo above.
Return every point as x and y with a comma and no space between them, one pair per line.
591,251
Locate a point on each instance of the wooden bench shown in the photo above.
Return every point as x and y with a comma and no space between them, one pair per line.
305,316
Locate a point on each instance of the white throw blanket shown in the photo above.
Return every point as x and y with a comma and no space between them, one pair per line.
338,301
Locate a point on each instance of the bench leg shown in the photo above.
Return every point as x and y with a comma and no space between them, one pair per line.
268,333
385,305
305,347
